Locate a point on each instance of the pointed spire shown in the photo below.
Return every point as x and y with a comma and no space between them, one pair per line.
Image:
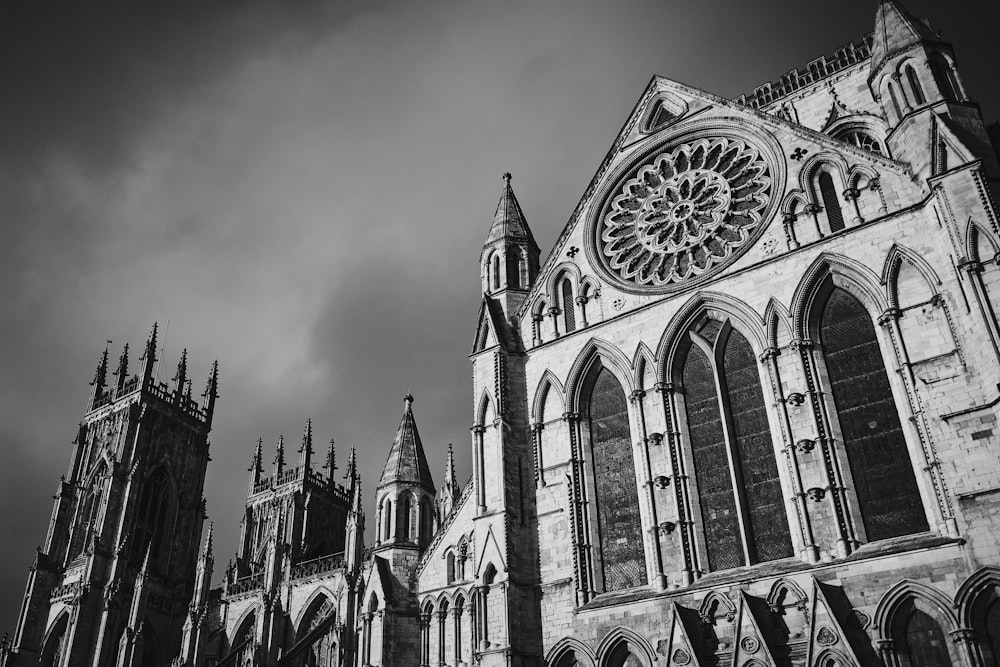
180,378
306,450
256,466
122,371
100,380
207,552
211,391
407,463
149,354
897,30
356,497
331,462
509,221
449,469
279,456
352,469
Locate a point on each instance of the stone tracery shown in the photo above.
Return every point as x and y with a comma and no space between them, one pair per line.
685,213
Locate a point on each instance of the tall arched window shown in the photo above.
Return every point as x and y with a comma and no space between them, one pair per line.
730,439
619,526
450,567
426,521
895,101
386,519
154,521
568,305
884,482
831,204
944,76
513,268
403,513
919,640
496,271
918,92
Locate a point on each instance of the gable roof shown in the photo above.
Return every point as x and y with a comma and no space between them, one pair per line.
491,320
626,141
406,463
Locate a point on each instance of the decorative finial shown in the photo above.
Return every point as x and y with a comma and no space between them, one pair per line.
208,542
101,376
408,399
331,460
211,390
506,177
180,378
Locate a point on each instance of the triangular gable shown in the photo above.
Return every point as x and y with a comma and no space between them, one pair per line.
948,149
492,329
678,647
750,647
833,632
379,581
485,328
698,101
490,553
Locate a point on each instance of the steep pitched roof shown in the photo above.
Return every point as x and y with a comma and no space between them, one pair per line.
491,320
406,463
508,221
896,29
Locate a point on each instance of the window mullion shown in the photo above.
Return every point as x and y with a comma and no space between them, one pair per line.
735,476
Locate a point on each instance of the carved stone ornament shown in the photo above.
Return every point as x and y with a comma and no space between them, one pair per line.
750,644
685,212
681,657
826,636
805,445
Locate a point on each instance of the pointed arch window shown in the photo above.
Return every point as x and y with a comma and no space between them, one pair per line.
568,304
403,511
495,262
944,76
895,101
619,528
919,640
513,268
918,92
739,492
872,434
154,519
386,519
831,204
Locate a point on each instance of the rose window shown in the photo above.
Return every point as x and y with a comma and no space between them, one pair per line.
689,210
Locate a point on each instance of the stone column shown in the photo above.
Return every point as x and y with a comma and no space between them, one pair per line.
887,651
554,314
484,617
581,301
457,629
789,220
425,639
653,529
851,195
678,472
441,616
968,646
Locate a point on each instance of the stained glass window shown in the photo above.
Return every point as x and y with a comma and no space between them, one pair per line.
873,436
830,202
616,494
568,306
924,643
731,440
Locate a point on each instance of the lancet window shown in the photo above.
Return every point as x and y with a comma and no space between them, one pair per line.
568,305
918,92
618,528
831,204
884,482
743,518
154,519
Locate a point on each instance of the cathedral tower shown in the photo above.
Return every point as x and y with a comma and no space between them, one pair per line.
509,261
404,497
120,556
914,75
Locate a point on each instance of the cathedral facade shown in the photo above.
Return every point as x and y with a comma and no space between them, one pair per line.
744,414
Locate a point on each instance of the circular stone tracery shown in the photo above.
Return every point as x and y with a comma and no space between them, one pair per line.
691,209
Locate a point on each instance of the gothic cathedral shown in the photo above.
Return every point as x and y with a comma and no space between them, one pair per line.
744,414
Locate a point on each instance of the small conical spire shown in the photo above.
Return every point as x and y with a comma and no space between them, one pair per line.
211,391
352,467
279,456
331,462
149,354
257,462
449,469
356,497
406,463
207,552
509,221
897,30
100,380
180,378
306,450
122,372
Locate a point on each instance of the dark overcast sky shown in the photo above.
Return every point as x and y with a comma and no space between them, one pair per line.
302,189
